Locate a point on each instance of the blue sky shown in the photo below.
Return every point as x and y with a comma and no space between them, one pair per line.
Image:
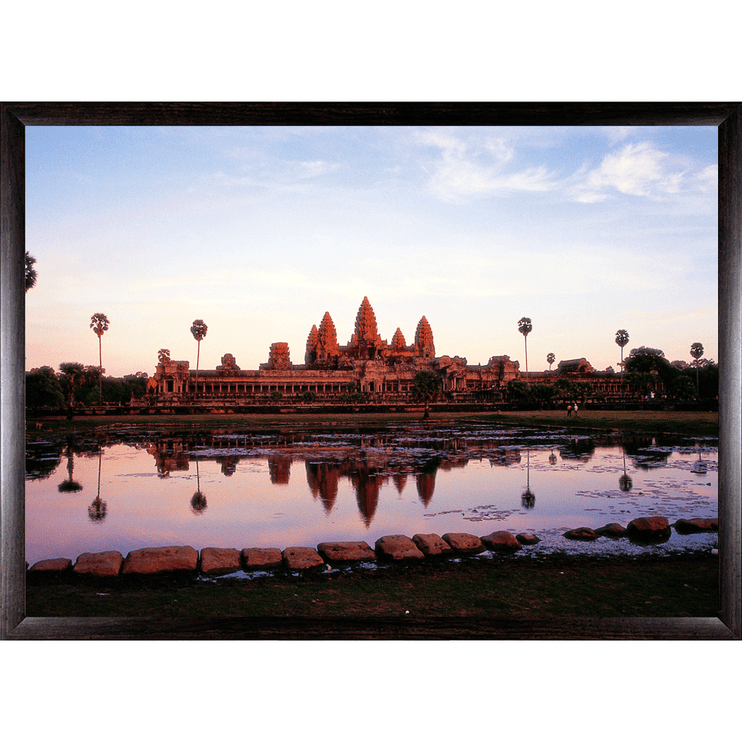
260,231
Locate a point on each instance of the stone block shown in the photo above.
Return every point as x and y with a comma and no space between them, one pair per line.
216,561
397,548
301,558
611,530
696,525
431,544
501,541
52,565
527,539
102,564
651,528
464,543
346,551
161,559
259,558
581,534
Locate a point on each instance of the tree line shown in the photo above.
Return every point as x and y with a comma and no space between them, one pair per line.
645,373
77,384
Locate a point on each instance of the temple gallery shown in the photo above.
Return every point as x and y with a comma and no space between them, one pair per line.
367,368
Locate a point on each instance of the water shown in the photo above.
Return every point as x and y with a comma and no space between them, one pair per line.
128,488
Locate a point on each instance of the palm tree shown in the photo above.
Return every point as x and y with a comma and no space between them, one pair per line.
550,359
99,323
525,326
622,338
696,350
73,375
30,271
198,330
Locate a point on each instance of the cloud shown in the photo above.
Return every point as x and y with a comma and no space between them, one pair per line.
465,170
618,133
637,169
707,180
256,170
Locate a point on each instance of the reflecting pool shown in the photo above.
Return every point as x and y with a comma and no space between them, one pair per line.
130,487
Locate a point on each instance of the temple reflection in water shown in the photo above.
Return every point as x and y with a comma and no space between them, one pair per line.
305,484
367,467
366,461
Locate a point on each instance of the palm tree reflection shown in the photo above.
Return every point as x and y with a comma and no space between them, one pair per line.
700,467
69,485
624,481
97,510
198,501
528,499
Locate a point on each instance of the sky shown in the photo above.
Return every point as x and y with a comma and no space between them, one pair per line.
259,231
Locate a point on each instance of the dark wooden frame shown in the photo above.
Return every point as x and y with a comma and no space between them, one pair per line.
14,117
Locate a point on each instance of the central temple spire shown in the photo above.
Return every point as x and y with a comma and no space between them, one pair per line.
366,330
366,342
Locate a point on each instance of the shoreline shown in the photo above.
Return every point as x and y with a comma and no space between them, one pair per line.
645,422
352,600
421,548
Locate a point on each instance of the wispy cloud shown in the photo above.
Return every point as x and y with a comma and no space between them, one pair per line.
637,169
464,170
277,175
618,133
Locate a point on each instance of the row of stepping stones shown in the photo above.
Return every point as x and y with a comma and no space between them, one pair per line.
650,529
215,561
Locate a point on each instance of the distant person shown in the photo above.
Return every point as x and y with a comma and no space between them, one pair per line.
575,408
569,410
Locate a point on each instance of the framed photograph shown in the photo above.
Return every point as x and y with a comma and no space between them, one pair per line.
451,176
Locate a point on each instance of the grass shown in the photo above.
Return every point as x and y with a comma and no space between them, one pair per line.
557,586
631,421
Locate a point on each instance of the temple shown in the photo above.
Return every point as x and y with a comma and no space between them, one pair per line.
367,370
378,370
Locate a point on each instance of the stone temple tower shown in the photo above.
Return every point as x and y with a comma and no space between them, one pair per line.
424,346
365,342
310,355
398,341
328,339
322,343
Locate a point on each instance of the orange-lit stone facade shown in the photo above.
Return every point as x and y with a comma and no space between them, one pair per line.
378,370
